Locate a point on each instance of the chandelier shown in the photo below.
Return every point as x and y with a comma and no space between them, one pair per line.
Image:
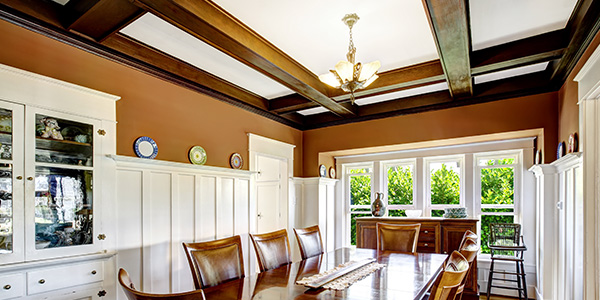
348,75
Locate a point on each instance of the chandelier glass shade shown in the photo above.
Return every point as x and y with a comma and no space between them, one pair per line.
348,75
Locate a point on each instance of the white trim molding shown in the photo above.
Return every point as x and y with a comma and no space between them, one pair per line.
588,80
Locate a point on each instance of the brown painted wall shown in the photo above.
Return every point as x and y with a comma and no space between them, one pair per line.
568,110
175,117
531,112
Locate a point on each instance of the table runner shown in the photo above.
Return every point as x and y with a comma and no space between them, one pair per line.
346,280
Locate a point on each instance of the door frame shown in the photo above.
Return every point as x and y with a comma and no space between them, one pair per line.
260,145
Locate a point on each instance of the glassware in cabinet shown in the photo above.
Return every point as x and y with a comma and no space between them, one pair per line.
61,194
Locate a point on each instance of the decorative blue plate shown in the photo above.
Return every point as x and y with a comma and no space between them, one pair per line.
145,147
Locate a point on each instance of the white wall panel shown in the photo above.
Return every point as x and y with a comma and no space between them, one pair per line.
241,215
157,232
163,204
183,229
225,208
205,211
129,214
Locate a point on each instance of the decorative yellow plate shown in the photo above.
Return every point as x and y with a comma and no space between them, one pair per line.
197,155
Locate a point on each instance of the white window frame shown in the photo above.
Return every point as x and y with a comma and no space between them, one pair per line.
427,161
517,177
348,207
384,178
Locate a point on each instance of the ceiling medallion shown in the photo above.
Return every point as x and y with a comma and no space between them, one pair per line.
348,75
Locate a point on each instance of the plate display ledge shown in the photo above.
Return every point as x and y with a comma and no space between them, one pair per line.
129,161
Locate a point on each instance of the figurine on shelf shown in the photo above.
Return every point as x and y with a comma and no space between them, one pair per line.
51,129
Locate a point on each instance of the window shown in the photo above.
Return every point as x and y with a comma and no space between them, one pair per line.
496,181
358,178
444,179
400,187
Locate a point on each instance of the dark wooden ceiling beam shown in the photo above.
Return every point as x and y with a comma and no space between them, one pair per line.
211,24
449,24
45,11
103,18
513,87
583,25
535,49
158,59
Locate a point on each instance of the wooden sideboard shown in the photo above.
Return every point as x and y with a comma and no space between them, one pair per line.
437,235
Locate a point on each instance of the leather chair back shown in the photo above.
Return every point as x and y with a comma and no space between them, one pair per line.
309,241
272,249
397,237
215,262
133,294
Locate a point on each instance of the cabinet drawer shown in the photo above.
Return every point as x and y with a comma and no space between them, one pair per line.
427,234
12,285
50,279
426,247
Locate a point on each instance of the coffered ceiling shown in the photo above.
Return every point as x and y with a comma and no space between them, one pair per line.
265,55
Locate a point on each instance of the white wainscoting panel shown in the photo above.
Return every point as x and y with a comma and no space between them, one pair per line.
162,204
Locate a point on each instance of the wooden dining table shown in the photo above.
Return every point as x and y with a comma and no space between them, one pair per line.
405,276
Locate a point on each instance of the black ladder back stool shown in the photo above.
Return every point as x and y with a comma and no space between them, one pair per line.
506,244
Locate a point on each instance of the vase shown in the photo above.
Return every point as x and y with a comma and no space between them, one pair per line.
378,206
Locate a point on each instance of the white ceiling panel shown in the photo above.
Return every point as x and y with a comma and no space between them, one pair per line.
163,36
403,94
394,32
494,22
511,73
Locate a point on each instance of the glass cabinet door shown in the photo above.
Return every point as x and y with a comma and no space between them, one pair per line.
63,197
11,183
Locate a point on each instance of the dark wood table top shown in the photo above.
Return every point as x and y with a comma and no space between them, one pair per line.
406,276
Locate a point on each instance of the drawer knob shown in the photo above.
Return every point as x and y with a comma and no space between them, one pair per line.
30,178
426,231
426,245
7,287
42,281
19,177
93,272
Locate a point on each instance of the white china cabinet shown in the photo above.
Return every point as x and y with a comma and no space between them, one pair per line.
54,137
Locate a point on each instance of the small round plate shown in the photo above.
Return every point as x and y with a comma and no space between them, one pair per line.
322,171
197,155
145,147
560,150
331,172
236,161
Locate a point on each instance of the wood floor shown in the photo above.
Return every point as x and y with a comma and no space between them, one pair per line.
496,298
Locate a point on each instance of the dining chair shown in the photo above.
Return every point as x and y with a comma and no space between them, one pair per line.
309,241
133,294
469,249
215,262
468,235
272,249
398,238
447,284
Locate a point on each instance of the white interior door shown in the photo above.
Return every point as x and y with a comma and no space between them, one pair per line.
270,196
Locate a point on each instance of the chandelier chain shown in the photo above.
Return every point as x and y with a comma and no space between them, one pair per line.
351,49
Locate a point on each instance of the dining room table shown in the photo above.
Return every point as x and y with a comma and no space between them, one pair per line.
403,276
